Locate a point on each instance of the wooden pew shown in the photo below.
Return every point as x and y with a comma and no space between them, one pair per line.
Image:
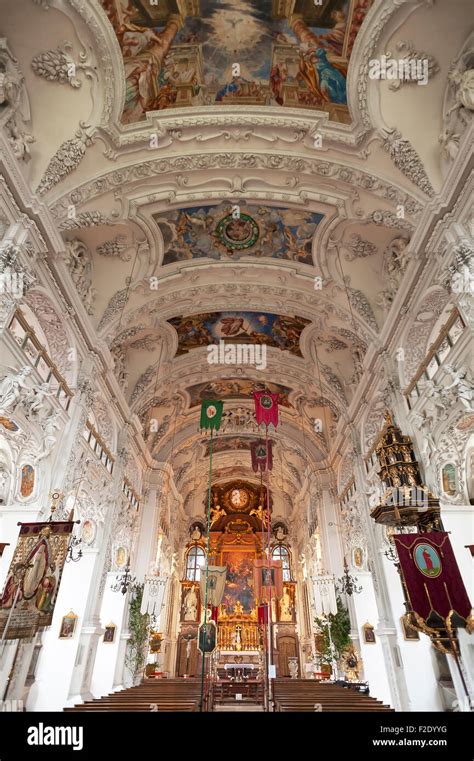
309,695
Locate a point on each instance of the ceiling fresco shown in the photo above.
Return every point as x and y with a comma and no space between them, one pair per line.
206,52
274,330
229,444
228,232
235,388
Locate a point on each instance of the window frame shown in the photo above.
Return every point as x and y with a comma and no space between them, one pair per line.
283,552
193,570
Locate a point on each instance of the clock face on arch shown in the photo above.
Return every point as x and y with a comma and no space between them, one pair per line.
239,498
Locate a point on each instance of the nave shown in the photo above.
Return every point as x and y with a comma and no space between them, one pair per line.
236,389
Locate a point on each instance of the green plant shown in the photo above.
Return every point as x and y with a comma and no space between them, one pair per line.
340,625
138,624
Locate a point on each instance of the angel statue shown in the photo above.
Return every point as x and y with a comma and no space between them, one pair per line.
35,399
12,388
50,426
460,386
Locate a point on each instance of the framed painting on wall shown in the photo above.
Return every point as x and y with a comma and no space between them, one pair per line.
109,634
27,480
68,626
448,479
409,633
368,633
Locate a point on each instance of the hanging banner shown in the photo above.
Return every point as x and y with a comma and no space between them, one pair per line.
324,594
215,585
211,414
33,579
262,613
266,408
153,594
268,580
262,455
433,582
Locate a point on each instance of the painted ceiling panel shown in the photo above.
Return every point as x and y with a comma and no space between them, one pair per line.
231,232
235,388
239,327
219,52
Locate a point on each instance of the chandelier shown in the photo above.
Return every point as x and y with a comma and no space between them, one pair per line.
74,544
347,584
124,582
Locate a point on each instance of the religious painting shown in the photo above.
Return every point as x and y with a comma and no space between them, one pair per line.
267,577
368,633
239,327
27,480
218,233
109,634
88,531
287,605
239,586
121,557
8,424
236,388
409,633
227,444
68,626
34,577
358,557
449,481
427,560
207,637
246,52
466,423
189,603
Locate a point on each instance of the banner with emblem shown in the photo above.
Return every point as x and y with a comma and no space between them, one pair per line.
211,414
266,408
216,576
33,579
324,594
433,582
268,579
153,594
262,455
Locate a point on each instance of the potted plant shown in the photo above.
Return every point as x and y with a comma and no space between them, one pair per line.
138,624
334,635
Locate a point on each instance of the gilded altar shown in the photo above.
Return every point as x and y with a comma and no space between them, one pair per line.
238,537
237,631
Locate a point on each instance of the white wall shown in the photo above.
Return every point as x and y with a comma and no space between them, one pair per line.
375,672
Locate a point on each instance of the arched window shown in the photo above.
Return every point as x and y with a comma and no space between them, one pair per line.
280,552
196,558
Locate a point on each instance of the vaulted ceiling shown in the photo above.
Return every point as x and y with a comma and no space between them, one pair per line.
271,204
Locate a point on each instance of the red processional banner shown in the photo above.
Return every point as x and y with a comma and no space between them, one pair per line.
266,408
433,582
262,455
263,613
268,579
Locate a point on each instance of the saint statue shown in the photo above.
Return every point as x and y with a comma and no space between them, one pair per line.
190,605
286,607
